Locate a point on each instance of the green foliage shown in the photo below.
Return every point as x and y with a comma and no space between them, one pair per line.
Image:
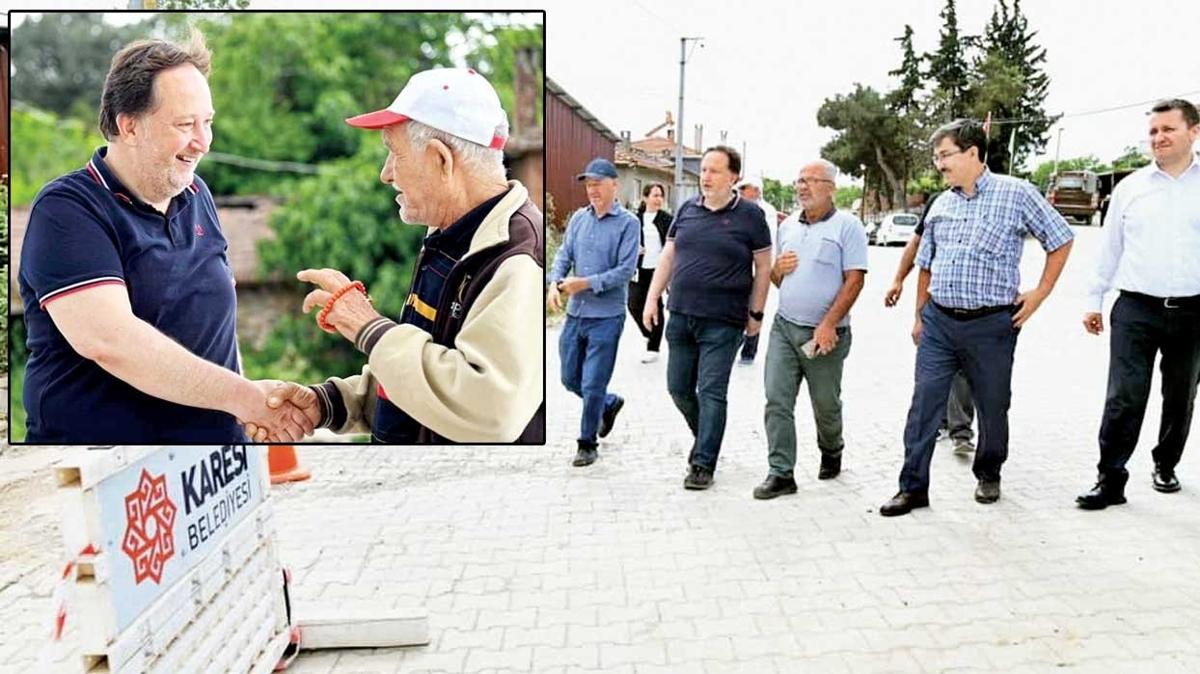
779,194
871,142
344,219
4,272
926,183
948,68
60,60
1008,80
845,196
204,4
495,57
1041,175
554,237
1131,158
16,403
903,99
47,147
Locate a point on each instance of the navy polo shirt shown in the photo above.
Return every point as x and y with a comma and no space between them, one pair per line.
440,252
86,229
712,272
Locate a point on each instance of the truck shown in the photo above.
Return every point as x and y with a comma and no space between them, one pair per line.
1075,194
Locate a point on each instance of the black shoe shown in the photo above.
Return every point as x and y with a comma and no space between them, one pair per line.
610,415
830,467
775,485
988,491
698,477
1104,494
1165,481
904,502
586,454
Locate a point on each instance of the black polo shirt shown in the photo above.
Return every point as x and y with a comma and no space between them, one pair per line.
712,272
87,229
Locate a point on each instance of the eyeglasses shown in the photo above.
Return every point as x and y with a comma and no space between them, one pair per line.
939,158
811,182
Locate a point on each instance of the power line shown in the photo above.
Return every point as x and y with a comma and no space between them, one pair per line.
1086,113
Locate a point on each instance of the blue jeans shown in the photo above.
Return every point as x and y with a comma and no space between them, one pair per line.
699,360
587,349
983,348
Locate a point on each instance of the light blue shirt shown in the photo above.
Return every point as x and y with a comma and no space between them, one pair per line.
603,250
972,245
825,249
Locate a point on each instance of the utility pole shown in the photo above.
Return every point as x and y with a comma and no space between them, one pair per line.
1057,147
679,125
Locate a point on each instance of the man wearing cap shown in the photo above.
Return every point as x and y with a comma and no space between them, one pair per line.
464,361
1151,238
600,250
750,189
718,263
129,297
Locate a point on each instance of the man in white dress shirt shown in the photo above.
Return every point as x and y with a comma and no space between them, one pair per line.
1151,244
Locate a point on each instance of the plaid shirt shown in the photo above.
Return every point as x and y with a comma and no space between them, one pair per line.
972,245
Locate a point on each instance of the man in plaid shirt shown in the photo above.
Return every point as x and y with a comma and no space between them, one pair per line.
969,306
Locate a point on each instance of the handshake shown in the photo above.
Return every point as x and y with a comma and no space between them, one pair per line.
277,411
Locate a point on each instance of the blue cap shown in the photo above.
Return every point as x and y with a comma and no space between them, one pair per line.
598,168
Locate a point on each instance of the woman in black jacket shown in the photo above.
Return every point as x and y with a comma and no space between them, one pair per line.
654,222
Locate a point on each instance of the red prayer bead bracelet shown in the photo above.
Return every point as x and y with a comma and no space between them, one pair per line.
355,285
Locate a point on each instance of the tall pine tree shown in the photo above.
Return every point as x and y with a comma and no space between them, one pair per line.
1009,81
948,69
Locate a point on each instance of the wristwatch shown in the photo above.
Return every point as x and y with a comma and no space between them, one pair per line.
756,315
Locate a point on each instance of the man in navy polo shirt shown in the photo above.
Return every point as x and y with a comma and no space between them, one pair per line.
129,297
718,262
601,251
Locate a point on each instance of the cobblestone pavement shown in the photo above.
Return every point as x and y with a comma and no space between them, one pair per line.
525,563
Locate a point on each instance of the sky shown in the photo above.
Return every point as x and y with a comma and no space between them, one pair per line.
765,65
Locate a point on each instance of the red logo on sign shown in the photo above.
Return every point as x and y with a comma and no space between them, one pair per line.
149,523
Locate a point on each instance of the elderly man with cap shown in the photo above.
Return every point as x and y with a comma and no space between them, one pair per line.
601,251
464,361
750,189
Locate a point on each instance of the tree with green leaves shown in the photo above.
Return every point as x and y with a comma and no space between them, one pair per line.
1042,174
948,69
60,60
1131,158
779,194
871,141
903,99
1009,80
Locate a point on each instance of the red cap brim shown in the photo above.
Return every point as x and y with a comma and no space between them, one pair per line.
377,119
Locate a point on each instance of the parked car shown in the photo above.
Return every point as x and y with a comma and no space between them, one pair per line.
896,228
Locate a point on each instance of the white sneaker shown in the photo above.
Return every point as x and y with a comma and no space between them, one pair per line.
649,356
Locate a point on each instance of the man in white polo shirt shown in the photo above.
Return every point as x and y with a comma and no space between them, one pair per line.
820,267
1151,242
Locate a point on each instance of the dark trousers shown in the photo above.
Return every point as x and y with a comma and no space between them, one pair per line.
981,347
960,409
1140,329
699,362
639,290
587,350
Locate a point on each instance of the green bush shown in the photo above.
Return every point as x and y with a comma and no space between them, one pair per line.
46,147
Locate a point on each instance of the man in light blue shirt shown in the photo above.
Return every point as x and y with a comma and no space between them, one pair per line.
600,248
969,305
820,266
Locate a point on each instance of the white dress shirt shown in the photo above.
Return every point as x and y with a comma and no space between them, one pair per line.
1151,236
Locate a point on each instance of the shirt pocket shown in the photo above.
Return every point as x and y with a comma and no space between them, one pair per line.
991,236
829,252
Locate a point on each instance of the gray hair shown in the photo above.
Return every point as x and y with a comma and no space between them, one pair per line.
479,160
831,171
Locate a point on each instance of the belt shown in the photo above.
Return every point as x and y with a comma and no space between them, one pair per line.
968,314
1192,302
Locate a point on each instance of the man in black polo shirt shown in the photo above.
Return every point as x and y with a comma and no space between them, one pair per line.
714,296
129,297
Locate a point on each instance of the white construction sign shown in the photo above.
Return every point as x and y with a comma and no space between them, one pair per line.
178,569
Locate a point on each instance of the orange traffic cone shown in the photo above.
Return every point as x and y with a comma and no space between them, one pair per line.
284,465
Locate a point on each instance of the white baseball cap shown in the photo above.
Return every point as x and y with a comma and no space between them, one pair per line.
458,101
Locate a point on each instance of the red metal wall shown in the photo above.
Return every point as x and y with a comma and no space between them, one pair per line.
571,143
